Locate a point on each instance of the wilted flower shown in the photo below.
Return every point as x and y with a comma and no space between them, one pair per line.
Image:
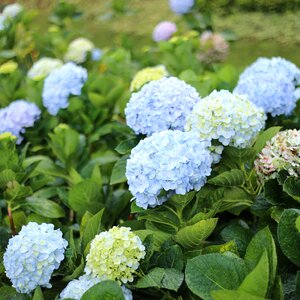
77,287
281,153
164,31
231,119
181,7
273,92
78,50
43,67
167,163
60,84
274,65
97,54
115,255
19,115
12,10
33,255
146,75
214,47
160,105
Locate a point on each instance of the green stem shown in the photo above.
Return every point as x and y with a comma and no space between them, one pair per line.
11,220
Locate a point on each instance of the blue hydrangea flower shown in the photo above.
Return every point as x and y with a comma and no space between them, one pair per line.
164,31
274,65
181,7
77,287
168,162
273,92
19,115
97,54
33,255
230,119
160,105
60,84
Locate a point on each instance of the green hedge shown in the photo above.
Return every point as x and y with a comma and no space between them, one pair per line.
228,6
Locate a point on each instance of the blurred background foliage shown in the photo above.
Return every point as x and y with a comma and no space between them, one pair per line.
261,27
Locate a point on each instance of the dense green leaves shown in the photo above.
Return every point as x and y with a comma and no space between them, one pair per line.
289,236
230,178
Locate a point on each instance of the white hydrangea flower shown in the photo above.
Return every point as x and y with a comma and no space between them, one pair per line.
78,50
43,67
115,255
229,118
12,10
33,255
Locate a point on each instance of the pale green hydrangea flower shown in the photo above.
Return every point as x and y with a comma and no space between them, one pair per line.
43,67
146,75
115,255
78,50
281,153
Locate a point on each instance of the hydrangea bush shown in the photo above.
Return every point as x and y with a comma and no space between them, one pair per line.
229,118
60,84
33,255
115,254
282,152
168,162
19,115
160,105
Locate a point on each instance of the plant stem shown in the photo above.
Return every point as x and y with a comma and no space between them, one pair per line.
11,220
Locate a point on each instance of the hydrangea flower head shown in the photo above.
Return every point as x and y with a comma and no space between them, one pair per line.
78,50
160,105
146,75
12,10
115,255
214,47
77,287
282,152
273,92
97,54
167,163
60,84
163,31
231,119
181,7
33,255
274,65
19,115
43,67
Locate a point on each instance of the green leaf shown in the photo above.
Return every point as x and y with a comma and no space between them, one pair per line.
298,224
38,294
191,236
126,146
256,282
289,236
92,229
6,176
261,242
86,195
105,290
233,177
9,293
209,272
264,137
170,279
118,172
172,257
158,236
236,295
44,207
292,187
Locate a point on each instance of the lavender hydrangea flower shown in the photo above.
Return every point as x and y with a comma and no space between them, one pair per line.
160,105
33,255
273,92
274,65
19,115
60,84
181,7
164,31
168,162
230,119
